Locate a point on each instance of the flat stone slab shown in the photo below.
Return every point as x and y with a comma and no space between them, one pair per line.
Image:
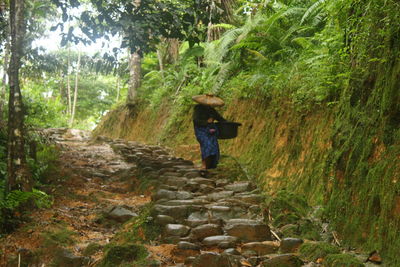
215,240
164,219
290,245
261,248
175,181
164,194
176,230
219,195
240,187
248,230
203,231
188,246
120,214
176,212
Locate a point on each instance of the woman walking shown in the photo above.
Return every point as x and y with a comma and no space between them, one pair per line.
206,131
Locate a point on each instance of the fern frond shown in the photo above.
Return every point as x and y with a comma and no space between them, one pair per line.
312,9
257,54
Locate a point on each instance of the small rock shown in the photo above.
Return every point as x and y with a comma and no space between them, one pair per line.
231,251
290,245
182,195
249,253
262,248
205,230
164,194
248,230
188,245
176,212
215,240
239,187
219,195
176,230
164,219
120,214
176,181
227,244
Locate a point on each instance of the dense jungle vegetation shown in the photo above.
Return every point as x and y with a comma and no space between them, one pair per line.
321,75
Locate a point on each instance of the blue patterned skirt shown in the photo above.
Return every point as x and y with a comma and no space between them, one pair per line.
208,144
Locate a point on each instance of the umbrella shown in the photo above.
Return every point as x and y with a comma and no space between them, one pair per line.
209,100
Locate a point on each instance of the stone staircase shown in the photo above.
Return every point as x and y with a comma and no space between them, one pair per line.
205,215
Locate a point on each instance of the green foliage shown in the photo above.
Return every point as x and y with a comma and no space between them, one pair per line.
342,260
141,228
59,237
312,251
91,249
16,198
116,255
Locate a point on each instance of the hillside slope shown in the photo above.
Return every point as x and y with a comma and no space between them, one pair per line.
336,143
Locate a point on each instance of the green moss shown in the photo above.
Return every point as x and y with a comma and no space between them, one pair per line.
60,237
314,250
288,202
141,228
91,249
284,219
342,260
125,254
308,230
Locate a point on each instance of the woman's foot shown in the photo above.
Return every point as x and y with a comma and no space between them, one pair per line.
203,173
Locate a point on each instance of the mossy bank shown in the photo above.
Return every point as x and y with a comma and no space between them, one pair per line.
322,123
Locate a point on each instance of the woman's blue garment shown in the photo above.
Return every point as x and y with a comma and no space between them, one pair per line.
208,143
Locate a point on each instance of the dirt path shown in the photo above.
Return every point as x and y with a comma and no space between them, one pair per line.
92,179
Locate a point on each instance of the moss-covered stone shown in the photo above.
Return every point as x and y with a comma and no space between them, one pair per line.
117,255
312,251
342,260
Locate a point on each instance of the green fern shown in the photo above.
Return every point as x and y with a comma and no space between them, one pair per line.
16,198
317,6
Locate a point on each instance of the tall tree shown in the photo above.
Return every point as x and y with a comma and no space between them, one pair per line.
18,177
4,81
69,107
71,122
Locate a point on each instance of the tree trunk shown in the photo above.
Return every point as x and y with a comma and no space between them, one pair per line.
71,122
4,81
160,61
135,69
18,176
173,50
118,88
68,84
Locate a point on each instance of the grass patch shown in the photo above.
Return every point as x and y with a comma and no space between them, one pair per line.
342,260
127,255
60,237
316,250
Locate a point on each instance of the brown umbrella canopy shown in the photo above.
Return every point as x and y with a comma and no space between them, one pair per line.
209,100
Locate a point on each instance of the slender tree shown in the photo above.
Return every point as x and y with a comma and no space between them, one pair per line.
68,82
135,71
4,81
71,122
18,177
